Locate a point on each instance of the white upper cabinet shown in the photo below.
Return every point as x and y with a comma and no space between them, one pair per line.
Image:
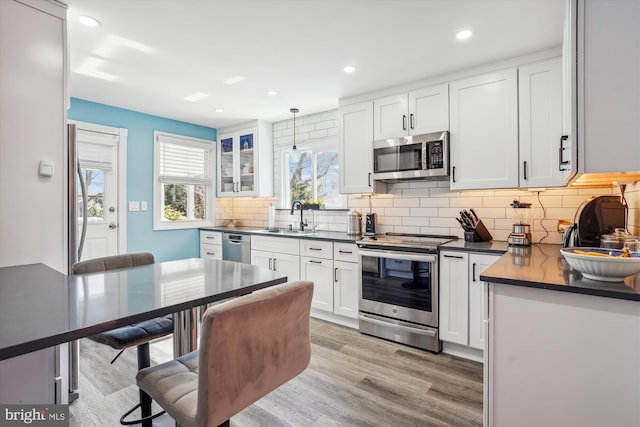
421,111
245,161
608,85
356,152
541,130
484,131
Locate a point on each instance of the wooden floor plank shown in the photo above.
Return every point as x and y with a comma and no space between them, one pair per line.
352,380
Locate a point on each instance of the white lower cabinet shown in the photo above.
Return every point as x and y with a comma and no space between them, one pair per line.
320,272
277,254
210,244
345,288
461,315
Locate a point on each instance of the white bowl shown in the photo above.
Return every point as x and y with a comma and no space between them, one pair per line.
604,268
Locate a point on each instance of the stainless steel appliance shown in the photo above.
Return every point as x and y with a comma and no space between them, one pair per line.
354,223
370,224
423,156
596,217
398,285
236,247
521,232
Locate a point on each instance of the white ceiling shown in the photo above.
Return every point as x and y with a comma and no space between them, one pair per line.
160,51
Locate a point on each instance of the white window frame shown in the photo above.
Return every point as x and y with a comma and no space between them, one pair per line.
326,144
158,193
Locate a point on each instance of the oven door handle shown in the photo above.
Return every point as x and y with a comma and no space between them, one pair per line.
398,255
413,330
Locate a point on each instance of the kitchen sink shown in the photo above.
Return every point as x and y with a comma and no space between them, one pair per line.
287,231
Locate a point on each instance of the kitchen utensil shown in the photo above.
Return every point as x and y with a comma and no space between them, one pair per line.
354,223
606,266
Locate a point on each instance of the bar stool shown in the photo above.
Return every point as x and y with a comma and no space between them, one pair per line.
138,335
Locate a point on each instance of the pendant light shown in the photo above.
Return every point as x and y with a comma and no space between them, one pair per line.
294,111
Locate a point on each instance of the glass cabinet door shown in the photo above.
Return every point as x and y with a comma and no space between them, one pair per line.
247,176
227,169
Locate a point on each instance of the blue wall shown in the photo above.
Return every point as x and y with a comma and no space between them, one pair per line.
166,245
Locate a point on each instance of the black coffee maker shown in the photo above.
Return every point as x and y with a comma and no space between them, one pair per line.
600,215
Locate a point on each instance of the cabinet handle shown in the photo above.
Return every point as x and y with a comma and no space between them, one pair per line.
369,179
345,252
473,272
315,249
209,253
453,173
453,256
404,122
411,121
210,237
525,170
313,261
270,259
335,274
275,266
561,149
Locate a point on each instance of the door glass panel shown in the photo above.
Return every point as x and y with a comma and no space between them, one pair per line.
247,177
94,180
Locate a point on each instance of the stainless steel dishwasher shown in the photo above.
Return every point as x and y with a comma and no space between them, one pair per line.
236,247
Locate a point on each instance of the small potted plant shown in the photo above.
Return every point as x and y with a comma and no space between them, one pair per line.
313,204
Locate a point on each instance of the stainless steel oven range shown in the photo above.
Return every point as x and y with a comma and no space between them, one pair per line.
398,285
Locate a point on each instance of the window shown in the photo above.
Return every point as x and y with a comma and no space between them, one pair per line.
183,182
311,174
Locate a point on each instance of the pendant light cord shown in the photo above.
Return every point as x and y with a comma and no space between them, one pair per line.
294,111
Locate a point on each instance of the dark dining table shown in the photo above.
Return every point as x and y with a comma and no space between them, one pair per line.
41,307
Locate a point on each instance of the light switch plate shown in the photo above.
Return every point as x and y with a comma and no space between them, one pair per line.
134,206
143,206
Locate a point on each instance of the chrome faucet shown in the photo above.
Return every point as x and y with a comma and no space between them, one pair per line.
303,223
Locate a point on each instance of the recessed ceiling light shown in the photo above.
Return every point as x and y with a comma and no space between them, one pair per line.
349,68
219,110
233,80
89,21
194,97
272,93
464,34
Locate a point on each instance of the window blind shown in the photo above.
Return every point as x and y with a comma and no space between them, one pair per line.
185,163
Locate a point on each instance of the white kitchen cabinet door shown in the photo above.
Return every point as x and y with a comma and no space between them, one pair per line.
540,101
320,272
390,117
356,149
484,131
479,263
454,297
429,110
608,86
245,161
420,111
286,264
345,289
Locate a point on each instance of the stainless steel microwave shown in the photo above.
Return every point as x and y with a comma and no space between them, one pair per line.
423,156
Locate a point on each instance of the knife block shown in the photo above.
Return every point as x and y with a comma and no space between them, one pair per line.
479,234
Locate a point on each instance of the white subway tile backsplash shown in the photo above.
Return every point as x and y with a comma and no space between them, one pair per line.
428,207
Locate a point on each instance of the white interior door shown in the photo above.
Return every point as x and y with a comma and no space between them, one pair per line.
98,163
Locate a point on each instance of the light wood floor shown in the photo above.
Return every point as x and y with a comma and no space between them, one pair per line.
352,380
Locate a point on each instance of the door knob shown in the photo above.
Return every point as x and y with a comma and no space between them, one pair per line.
112,209
113,226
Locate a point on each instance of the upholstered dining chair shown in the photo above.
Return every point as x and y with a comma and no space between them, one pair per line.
249,346
138,335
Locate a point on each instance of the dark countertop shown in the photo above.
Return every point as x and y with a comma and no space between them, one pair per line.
334,236
493,247
542,266
40,307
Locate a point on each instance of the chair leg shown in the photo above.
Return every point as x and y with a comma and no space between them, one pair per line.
146,420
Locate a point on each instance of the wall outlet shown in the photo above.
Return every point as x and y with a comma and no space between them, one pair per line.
143,206
134,206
